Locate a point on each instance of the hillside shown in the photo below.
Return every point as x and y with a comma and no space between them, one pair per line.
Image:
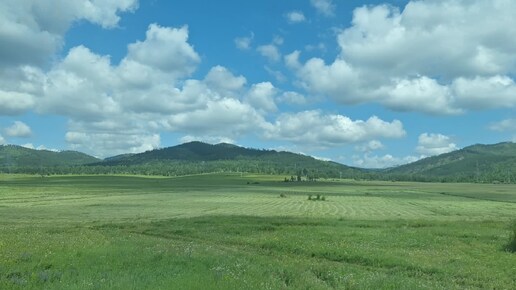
14,157
480,163
202,157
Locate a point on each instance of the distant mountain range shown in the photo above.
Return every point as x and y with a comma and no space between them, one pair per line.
477,163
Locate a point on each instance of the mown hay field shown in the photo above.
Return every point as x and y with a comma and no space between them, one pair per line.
233,231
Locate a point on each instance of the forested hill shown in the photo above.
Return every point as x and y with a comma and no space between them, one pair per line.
477,163
195,157
13,157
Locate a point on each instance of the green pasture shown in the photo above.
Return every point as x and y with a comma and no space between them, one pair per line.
233,231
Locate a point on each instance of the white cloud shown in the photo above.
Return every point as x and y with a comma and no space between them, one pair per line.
325,7
507,125
112,143
14,103
81,76
295,17
261,96
18,129
222,117
2,140
166,49
386,161
410,94
292,98
435,57
207,139
372,145
270,51
224,82
244,43
28,146
33,30
485,92
43,147
129,104
138,84
434,144
315,128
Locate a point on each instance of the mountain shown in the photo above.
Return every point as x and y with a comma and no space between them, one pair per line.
480,163
202,157
16,157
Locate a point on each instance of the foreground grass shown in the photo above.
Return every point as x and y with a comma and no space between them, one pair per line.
218,232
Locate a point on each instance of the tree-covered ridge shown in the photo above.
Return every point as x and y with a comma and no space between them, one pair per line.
199,157
12,156
476,163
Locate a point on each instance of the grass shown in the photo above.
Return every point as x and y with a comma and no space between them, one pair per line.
237,232
511,246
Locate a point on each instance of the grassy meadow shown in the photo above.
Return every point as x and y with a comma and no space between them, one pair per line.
228,231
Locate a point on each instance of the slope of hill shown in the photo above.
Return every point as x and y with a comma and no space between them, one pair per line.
203,157
480,163
13,157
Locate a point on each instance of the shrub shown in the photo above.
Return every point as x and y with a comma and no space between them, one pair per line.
323,198
310,197
282,195
318,197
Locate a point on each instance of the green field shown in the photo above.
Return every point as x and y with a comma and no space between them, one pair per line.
236,232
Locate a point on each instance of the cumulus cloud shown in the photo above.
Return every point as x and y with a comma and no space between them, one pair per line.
14,103
262,95
33,30
317,129
370,146
112,143
295,17
224,82
435,57
165,49
385,161
507,125
125,106
223,117
434,144
2,140
18,129
485,92
293,98
324,7
410,94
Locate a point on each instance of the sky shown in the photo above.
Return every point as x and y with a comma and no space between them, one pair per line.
364,83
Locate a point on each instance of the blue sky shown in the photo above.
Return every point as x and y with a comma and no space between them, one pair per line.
364,83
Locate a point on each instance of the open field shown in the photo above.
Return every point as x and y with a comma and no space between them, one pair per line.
236,232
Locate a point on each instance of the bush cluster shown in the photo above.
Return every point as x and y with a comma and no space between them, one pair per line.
317,197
